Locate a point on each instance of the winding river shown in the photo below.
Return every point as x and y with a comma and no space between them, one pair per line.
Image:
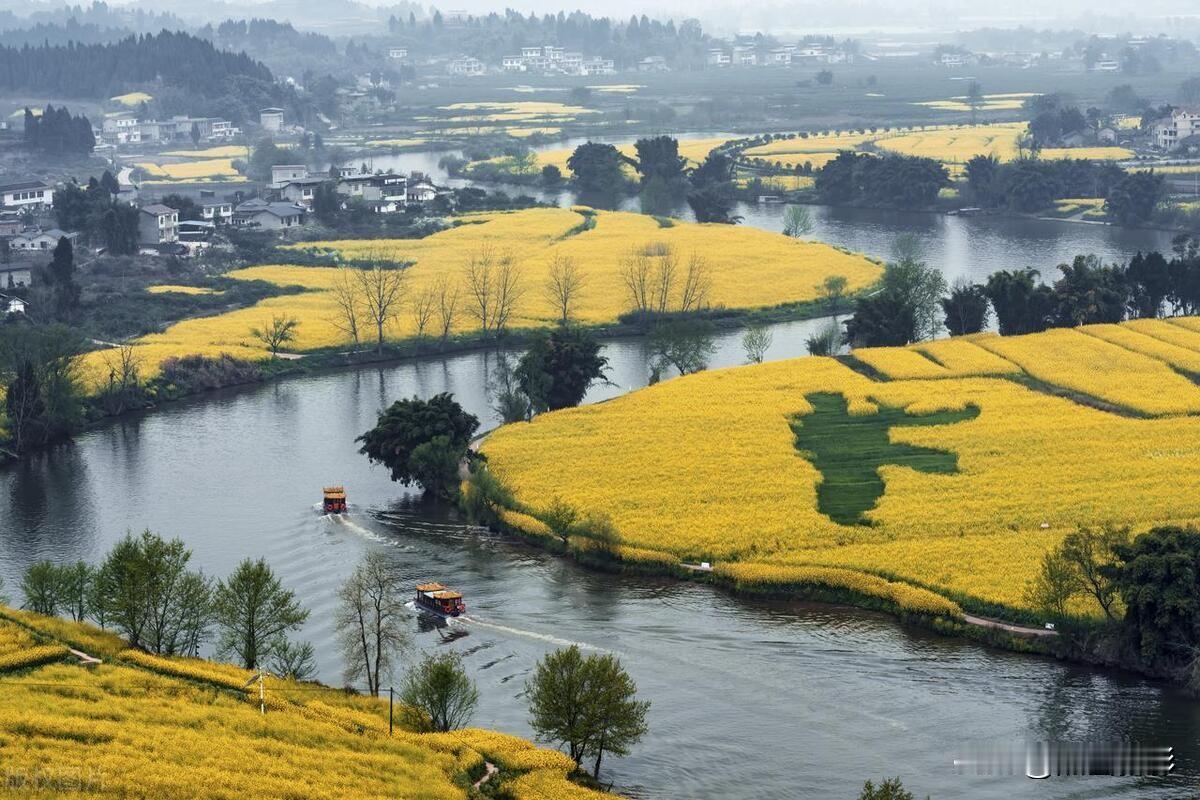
750,699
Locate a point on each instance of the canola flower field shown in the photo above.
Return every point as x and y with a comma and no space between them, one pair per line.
142,726
1085,426
750,268
201,169
950,144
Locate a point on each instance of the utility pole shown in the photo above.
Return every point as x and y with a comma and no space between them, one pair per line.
391,703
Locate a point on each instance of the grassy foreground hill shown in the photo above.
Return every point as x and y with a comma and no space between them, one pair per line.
950,467
140,726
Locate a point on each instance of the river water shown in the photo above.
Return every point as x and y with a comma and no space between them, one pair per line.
750,699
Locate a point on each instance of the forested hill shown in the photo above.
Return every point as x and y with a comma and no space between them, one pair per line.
102,70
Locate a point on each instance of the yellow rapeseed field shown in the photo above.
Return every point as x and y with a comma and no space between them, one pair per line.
750,268
207,168
223,151
132,98
140,726
1083,426
951,144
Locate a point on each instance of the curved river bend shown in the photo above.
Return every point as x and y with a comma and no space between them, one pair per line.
750,699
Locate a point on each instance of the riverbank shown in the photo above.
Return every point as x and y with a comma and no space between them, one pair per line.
1091,645
154,395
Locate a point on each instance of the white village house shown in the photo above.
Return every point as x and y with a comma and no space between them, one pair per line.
39,240
27,194
1171,130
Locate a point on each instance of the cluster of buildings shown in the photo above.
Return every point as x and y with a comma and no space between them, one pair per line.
1174,129
787,55
553,60
384,192
126,128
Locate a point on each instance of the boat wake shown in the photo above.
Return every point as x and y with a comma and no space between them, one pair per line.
346,522
541,637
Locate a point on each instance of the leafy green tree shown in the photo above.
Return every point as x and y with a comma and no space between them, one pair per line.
711,195
39,371
982,173
966,309
1158,578
145,590
402,428
685,344
60,274
1021,303
832,291
438,694
40,588
551,175
1134,199
75,583
557,369
597,171
890,789
1149,279
586,704
253,613
1090,292
905,309
824,342
186,206
293,660
884,319
280,331
658,157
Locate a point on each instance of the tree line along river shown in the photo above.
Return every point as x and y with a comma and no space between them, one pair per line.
750,699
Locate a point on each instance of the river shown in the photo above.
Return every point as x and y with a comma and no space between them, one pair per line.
966,247
750,699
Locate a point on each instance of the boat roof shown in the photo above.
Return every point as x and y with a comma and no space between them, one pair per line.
430,587
329,489
447,594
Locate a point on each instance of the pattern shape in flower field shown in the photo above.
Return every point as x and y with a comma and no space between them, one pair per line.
1086,426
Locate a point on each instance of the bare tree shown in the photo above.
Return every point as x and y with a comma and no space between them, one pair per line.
756,341
280,331
382,293
666,270
424,306
447,302
697,284
479,275
507,292
347,300
564,285
635,274
124,377
370,620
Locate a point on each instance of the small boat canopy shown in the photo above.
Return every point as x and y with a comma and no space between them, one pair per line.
335,493
446,594
430,587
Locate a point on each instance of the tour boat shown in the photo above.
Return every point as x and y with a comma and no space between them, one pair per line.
335,500
440,600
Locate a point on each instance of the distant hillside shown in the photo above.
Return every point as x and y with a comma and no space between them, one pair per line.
141,726
103,70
